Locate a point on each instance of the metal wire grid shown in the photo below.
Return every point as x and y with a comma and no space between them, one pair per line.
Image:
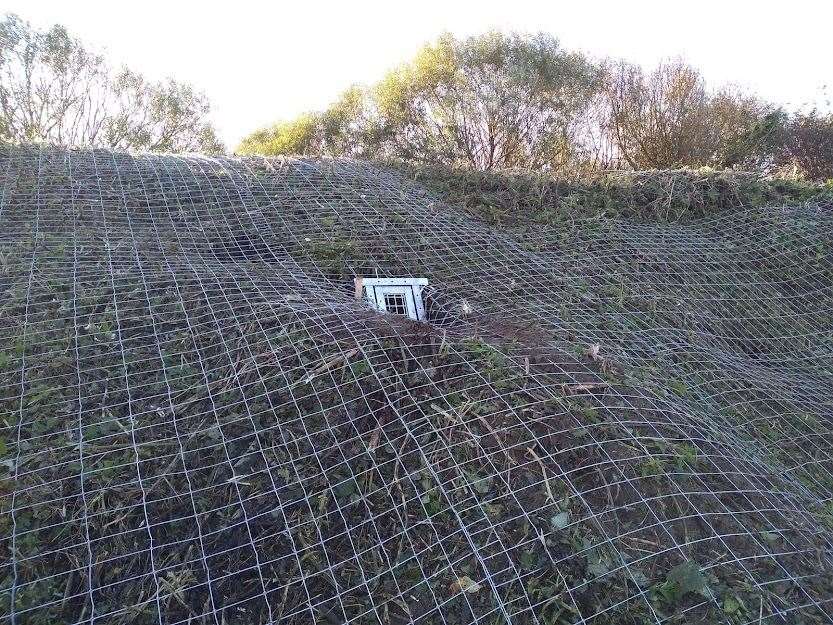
202,425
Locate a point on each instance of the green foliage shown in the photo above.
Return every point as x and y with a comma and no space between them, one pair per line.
752,144
681,580
734,606
686,456
344,127
679,387
652,467
520,197
512,101
332,256
491,101
826,514
486,102
493,362
299,136
341,130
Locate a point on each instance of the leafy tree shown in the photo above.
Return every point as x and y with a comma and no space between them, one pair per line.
752,143
491,101
347,128
342,130
54,90
498,101
299,136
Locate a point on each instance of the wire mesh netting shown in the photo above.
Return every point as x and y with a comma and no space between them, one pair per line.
603,421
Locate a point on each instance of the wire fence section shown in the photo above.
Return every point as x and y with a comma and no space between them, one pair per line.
603,421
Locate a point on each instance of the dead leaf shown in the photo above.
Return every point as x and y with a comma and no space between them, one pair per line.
593,352
465,584
374,438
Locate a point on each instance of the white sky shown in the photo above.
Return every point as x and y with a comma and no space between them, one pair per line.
263,61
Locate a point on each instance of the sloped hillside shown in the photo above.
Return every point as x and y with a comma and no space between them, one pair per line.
608,419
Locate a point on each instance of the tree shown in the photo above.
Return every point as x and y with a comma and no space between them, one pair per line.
668,118
491,101
747,131
299,136
808,145
342,130
498,101
54,90
347,126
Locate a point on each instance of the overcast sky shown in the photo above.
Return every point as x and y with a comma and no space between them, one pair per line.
264,61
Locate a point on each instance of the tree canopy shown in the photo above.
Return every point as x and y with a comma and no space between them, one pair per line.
54,90
807,144
299,136
490,101
669,118
498,101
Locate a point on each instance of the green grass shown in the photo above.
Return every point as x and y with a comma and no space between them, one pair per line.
518,197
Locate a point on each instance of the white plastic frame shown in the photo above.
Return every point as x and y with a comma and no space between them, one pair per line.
375,289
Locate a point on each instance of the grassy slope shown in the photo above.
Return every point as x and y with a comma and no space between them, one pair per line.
382,460
508,197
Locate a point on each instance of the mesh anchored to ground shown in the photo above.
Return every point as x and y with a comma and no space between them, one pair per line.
604,420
